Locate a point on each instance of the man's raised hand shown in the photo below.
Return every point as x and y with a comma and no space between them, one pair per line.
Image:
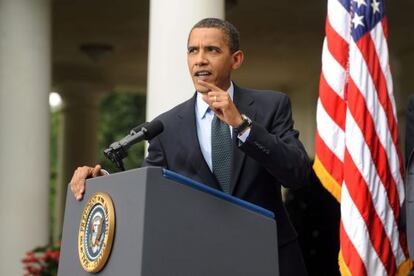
222,105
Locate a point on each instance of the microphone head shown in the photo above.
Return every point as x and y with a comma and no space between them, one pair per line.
153,128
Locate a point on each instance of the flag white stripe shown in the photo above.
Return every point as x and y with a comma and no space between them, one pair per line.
337,15
361,156
334,73
358,72
381,48
334,137
355,228
330,132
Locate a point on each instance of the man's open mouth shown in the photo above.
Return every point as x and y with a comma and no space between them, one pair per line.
202,74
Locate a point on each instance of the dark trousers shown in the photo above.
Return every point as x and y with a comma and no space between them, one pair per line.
291,262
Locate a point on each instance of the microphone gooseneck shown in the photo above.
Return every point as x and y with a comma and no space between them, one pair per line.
117,151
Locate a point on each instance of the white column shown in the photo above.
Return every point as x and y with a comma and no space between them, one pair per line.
24,129
78,143
169,82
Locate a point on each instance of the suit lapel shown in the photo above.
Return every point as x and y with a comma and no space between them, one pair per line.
192,145
244,104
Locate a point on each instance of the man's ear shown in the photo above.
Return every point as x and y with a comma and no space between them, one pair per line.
238,58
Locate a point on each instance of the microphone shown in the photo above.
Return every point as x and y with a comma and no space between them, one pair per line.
119,150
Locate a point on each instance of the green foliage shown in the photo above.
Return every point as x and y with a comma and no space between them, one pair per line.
119,114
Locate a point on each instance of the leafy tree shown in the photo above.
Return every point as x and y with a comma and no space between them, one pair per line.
119,113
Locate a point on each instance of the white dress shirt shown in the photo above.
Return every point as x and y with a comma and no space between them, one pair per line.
204,117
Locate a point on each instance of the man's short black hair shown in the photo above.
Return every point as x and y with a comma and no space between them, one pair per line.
231,33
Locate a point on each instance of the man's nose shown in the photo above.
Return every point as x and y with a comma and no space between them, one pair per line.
201,58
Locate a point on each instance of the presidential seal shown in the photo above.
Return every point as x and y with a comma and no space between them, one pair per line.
96,231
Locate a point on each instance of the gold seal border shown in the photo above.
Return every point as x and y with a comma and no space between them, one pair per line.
99,263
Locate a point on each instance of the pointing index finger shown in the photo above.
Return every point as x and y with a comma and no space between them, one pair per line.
208,85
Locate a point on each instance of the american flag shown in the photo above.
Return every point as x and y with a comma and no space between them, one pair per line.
357,150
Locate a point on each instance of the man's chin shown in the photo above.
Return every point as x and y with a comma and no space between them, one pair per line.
201,89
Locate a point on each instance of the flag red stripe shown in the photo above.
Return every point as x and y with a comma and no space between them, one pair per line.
363,118
367,48
361,176
384,24
362,198
350,255
403,243
338,47
334,105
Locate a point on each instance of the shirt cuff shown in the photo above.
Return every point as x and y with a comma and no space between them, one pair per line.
242,137
104,172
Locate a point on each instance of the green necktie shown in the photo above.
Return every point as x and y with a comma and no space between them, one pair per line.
221,152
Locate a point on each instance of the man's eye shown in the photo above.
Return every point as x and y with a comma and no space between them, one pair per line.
213,49
192,50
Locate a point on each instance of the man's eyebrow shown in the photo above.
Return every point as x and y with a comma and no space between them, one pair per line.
208,47
213,47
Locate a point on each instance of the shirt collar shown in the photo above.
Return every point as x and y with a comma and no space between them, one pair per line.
202,107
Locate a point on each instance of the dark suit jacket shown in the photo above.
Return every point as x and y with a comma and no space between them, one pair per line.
408,215
409,206
271,156
409,129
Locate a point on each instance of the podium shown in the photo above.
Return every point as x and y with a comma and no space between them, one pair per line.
168,224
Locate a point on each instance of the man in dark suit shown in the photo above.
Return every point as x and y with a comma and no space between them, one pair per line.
408,219
409,129
265,152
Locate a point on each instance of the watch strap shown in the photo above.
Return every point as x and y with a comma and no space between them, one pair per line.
247,122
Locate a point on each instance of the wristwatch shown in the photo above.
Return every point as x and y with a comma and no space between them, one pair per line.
247,122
